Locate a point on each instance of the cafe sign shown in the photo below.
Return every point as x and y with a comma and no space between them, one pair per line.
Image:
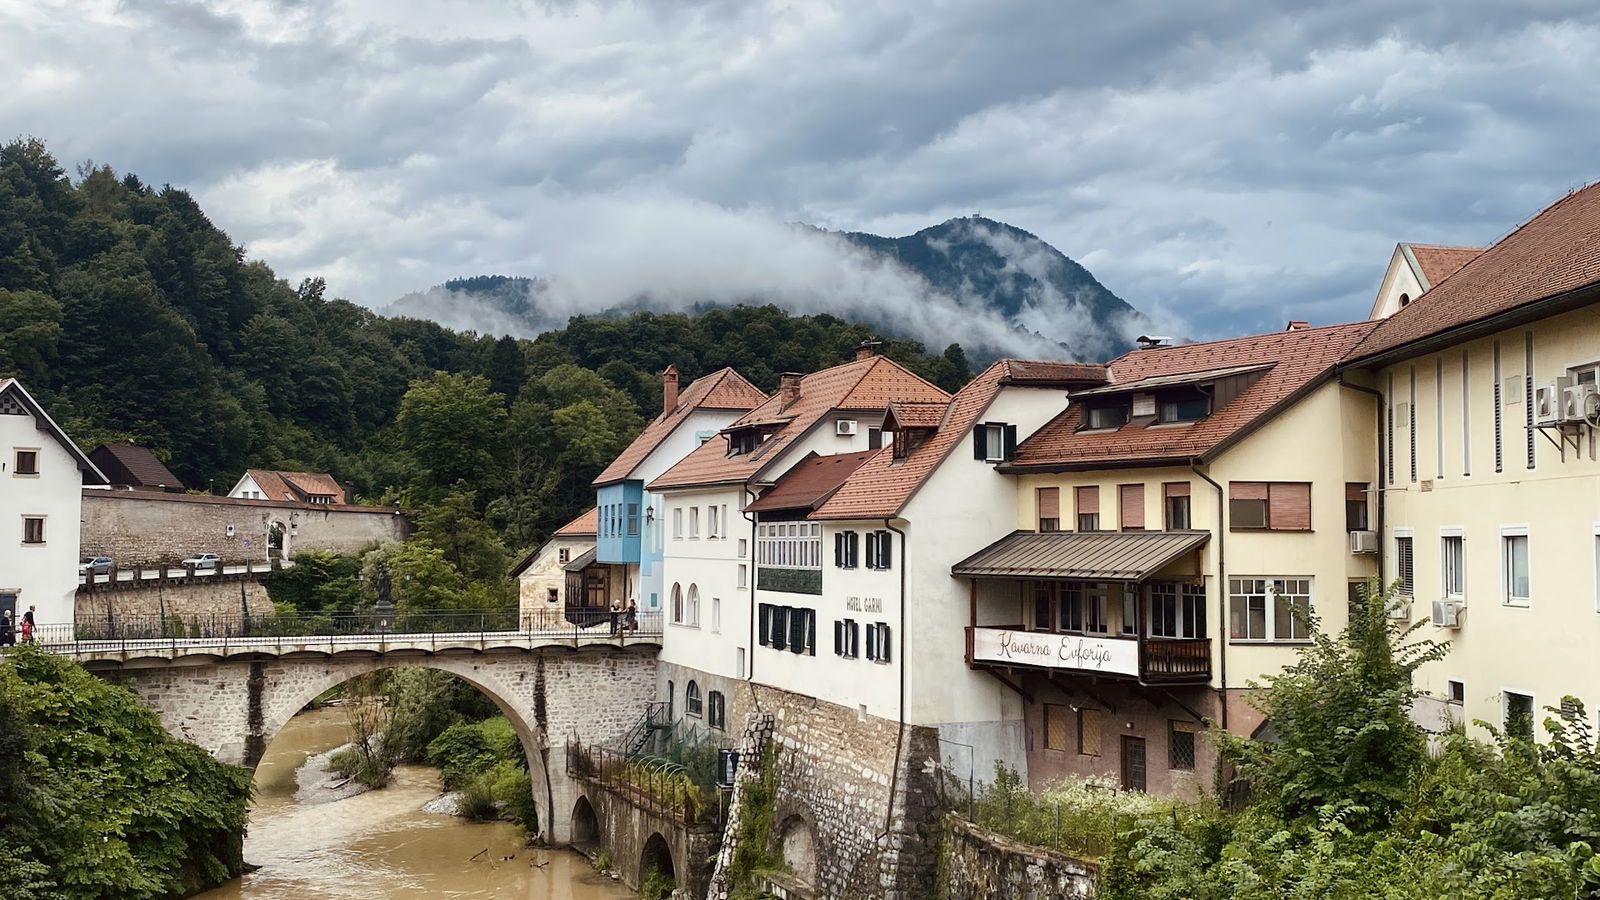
1113,656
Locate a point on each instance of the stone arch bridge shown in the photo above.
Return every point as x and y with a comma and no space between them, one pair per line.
232,697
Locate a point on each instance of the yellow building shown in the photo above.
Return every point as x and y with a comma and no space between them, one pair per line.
1490,508
1179,527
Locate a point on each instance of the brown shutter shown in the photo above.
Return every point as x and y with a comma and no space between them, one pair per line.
1289,506
1176,489
1130,506
1355,491
1247,490
1049,503
1088,499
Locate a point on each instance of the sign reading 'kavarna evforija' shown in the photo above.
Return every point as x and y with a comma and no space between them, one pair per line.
1056,651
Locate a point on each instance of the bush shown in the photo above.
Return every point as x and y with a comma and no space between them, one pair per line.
656,885
1079,816
426,702
477,800
513,790
371,769
466,750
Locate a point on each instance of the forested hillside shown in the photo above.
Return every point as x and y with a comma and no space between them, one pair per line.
133,317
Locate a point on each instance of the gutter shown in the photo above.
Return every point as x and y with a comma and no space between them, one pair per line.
1222,587
1377,481
1555,304
750,654
900,738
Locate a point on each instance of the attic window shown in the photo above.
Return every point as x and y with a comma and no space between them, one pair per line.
742,442
1182,406
1108,416
1405,299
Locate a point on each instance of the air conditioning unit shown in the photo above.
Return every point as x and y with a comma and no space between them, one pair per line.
1363,542
1580,403
1447,613
1400,610
845,427
1547,402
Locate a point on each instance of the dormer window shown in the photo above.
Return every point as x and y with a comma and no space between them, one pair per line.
1182,406
1113,415
742,442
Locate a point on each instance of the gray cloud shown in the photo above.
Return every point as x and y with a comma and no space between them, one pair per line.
1244,164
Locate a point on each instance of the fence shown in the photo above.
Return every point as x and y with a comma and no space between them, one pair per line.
662,787
1077,816
510,624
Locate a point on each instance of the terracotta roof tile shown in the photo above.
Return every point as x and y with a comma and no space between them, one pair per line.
722,389
585,525
1440,262
295,486
1300,357
1556,251
916,414
811,481
862,384
143,467
1023,371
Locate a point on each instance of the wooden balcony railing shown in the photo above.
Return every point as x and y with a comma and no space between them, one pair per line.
1184,660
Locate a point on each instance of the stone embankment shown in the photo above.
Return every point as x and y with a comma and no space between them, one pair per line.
979,864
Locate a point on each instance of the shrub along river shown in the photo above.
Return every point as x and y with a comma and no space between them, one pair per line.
380,845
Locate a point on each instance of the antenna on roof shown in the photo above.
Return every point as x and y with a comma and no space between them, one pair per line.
1151,341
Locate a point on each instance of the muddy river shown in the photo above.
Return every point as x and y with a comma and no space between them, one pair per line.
380,846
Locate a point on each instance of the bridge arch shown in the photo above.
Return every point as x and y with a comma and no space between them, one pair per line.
656,857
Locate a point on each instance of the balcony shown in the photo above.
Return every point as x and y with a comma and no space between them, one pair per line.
1146,660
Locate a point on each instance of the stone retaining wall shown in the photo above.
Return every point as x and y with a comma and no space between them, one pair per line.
625,830
979,864
187,600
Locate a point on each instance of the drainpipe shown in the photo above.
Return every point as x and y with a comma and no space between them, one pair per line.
900,737
1222,587
750,652
1377,481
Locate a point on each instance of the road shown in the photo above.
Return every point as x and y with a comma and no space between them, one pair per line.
178,572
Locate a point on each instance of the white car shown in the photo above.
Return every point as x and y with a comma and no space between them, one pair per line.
203,561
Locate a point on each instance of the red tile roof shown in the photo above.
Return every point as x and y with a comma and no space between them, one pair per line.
882,486
585,525
1299,359
921,414
810,482
297,486
139,465
1555,252
1440,262
722,389
864,384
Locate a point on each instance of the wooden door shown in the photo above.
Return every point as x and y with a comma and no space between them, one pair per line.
1133,763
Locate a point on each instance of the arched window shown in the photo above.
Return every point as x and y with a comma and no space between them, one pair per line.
716,710
691,699
694,605
677,604
1405,299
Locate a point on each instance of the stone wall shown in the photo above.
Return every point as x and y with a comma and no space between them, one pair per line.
979,864
626,830
140,527
187,600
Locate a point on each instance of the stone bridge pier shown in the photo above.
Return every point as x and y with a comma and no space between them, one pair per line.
234,707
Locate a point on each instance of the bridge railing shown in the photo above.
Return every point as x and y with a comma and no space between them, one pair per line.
510,623
660,786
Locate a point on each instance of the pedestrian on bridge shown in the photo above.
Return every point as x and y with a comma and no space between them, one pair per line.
616,617
28,625
8,629
632,621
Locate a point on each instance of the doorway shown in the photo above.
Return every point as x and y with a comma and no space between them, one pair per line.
1133,763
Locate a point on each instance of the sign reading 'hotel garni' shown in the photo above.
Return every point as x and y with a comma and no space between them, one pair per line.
1056,651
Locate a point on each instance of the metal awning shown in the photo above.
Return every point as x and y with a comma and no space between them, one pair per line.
1085,555
582,562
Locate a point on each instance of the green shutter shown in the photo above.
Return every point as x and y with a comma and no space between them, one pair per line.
1011,443
980,446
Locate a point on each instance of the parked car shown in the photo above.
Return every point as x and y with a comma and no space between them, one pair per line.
203,561
96,565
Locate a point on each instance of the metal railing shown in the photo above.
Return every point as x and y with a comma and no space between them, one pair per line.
659,786
170,573
506,625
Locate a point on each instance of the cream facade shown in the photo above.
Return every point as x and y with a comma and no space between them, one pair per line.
1498,517
542,577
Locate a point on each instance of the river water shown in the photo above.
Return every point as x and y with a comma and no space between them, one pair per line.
379,846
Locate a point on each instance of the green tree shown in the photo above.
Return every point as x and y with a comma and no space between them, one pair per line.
30,329
450,424
470,545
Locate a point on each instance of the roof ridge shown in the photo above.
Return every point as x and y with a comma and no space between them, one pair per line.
1241,337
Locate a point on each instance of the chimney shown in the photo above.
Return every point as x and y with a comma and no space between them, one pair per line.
1297,325
867,349
1151,341
788,389
669,388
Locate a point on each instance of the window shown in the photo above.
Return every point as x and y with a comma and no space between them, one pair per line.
787,628
713,522
1088,731
677,604
1048,502
672,703
716,615
789,545
1499,413
633,519
880,550
994,442
742,442
1088,502
677,523
846,549
1514,566
744,547
1044,601
1355,507
1452,562
33,529
691,700
1055,727
803,631
1269,609
1182,407
1272,506
1177,610
1130,506
1518,709
879,642
1180,746
552,595
716,711
1175,499
694,606
846,638
1455,692
1403,569
738,662
1113,416
1084,607
874,437
564,555
694,522
27,463
744,576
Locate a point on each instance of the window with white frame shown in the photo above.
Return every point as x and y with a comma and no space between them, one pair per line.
716,710
1515,587
677,523
713,522
33,529
677,604
1517,713
1452,563
846,549
1597,567
1177,610
1403,570
744,547
789,545
880,642
694,522
880,550
744,576
27,462
716,615
1269,609
847,638
694,606
691,700
1455,692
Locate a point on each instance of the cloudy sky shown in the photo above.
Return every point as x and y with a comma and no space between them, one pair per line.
1227,166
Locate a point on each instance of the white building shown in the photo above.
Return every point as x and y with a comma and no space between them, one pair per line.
42,474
